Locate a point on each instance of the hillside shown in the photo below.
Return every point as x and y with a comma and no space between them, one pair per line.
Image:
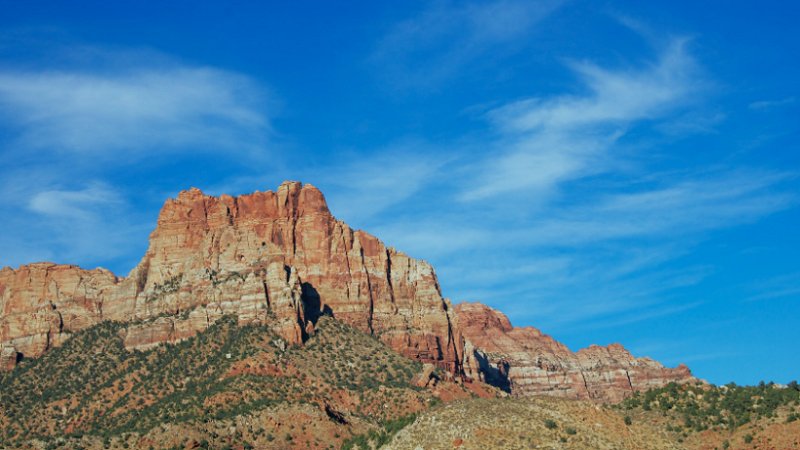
529,423
231,385
730,416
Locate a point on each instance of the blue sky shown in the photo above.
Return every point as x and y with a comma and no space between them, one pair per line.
604,171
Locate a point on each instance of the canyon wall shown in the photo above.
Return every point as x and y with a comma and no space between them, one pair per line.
274,258
281,260
526,362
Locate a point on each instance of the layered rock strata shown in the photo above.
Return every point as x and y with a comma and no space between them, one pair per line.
281,260
526,362
274,258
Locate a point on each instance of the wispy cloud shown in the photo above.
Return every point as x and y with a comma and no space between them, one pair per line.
555,184
138,110
769,104
81,225
361,188
680,208
551,141
438,42
777,287
95,118
83,204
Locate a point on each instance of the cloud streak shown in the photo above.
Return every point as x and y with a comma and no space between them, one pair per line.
569,137
137,111
432,47
80,205
555,184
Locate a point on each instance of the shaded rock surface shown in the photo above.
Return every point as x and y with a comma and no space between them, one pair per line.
526,362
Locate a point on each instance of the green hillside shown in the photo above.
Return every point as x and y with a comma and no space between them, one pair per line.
228,387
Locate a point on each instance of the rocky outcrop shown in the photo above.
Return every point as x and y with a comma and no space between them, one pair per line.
526,362
279,259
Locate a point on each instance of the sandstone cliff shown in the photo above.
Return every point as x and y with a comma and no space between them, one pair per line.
527,362
281,260
276,258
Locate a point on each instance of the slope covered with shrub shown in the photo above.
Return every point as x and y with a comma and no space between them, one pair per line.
231,385
730,416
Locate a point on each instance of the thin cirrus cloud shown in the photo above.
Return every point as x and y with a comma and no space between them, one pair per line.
433,46
557,182
70,128
769,104
681,208
82,205
137,111
84,225
572,136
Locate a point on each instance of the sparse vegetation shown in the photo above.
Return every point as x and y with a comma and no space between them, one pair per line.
694,408
377,439
93,388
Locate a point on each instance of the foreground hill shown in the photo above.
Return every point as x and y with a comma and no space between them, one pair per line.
229,387
707,417
530,423
279,261
695,416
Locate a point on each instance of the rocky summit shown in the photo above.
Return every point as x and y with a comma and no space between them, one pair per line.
281,260
526,362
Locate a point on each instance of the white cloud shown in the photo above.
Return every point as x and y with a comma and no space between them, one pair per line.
137,111
437,43
75,204
680,208
571,136
777,287
555,184
616,96
362,187
765,105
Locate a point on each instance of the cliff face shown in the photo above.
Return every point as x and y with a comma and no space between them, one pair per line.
281,260
276,258
527,362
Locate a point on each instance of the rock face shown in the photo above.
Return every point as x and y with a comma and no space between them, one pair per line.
281,260
274,258
527,362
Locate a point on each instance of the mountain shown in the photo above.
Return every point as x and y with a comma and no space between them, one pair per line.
526,362
281,261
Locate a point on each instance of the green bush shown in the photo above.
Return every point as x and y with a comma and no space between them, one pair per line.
550,425
628,420
571,431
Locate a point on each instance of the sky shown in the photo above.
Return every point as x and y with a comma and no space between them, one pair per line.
612,171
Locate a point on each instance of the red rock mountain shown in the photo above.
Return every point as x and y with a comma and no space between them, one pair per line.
527,362
281,259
